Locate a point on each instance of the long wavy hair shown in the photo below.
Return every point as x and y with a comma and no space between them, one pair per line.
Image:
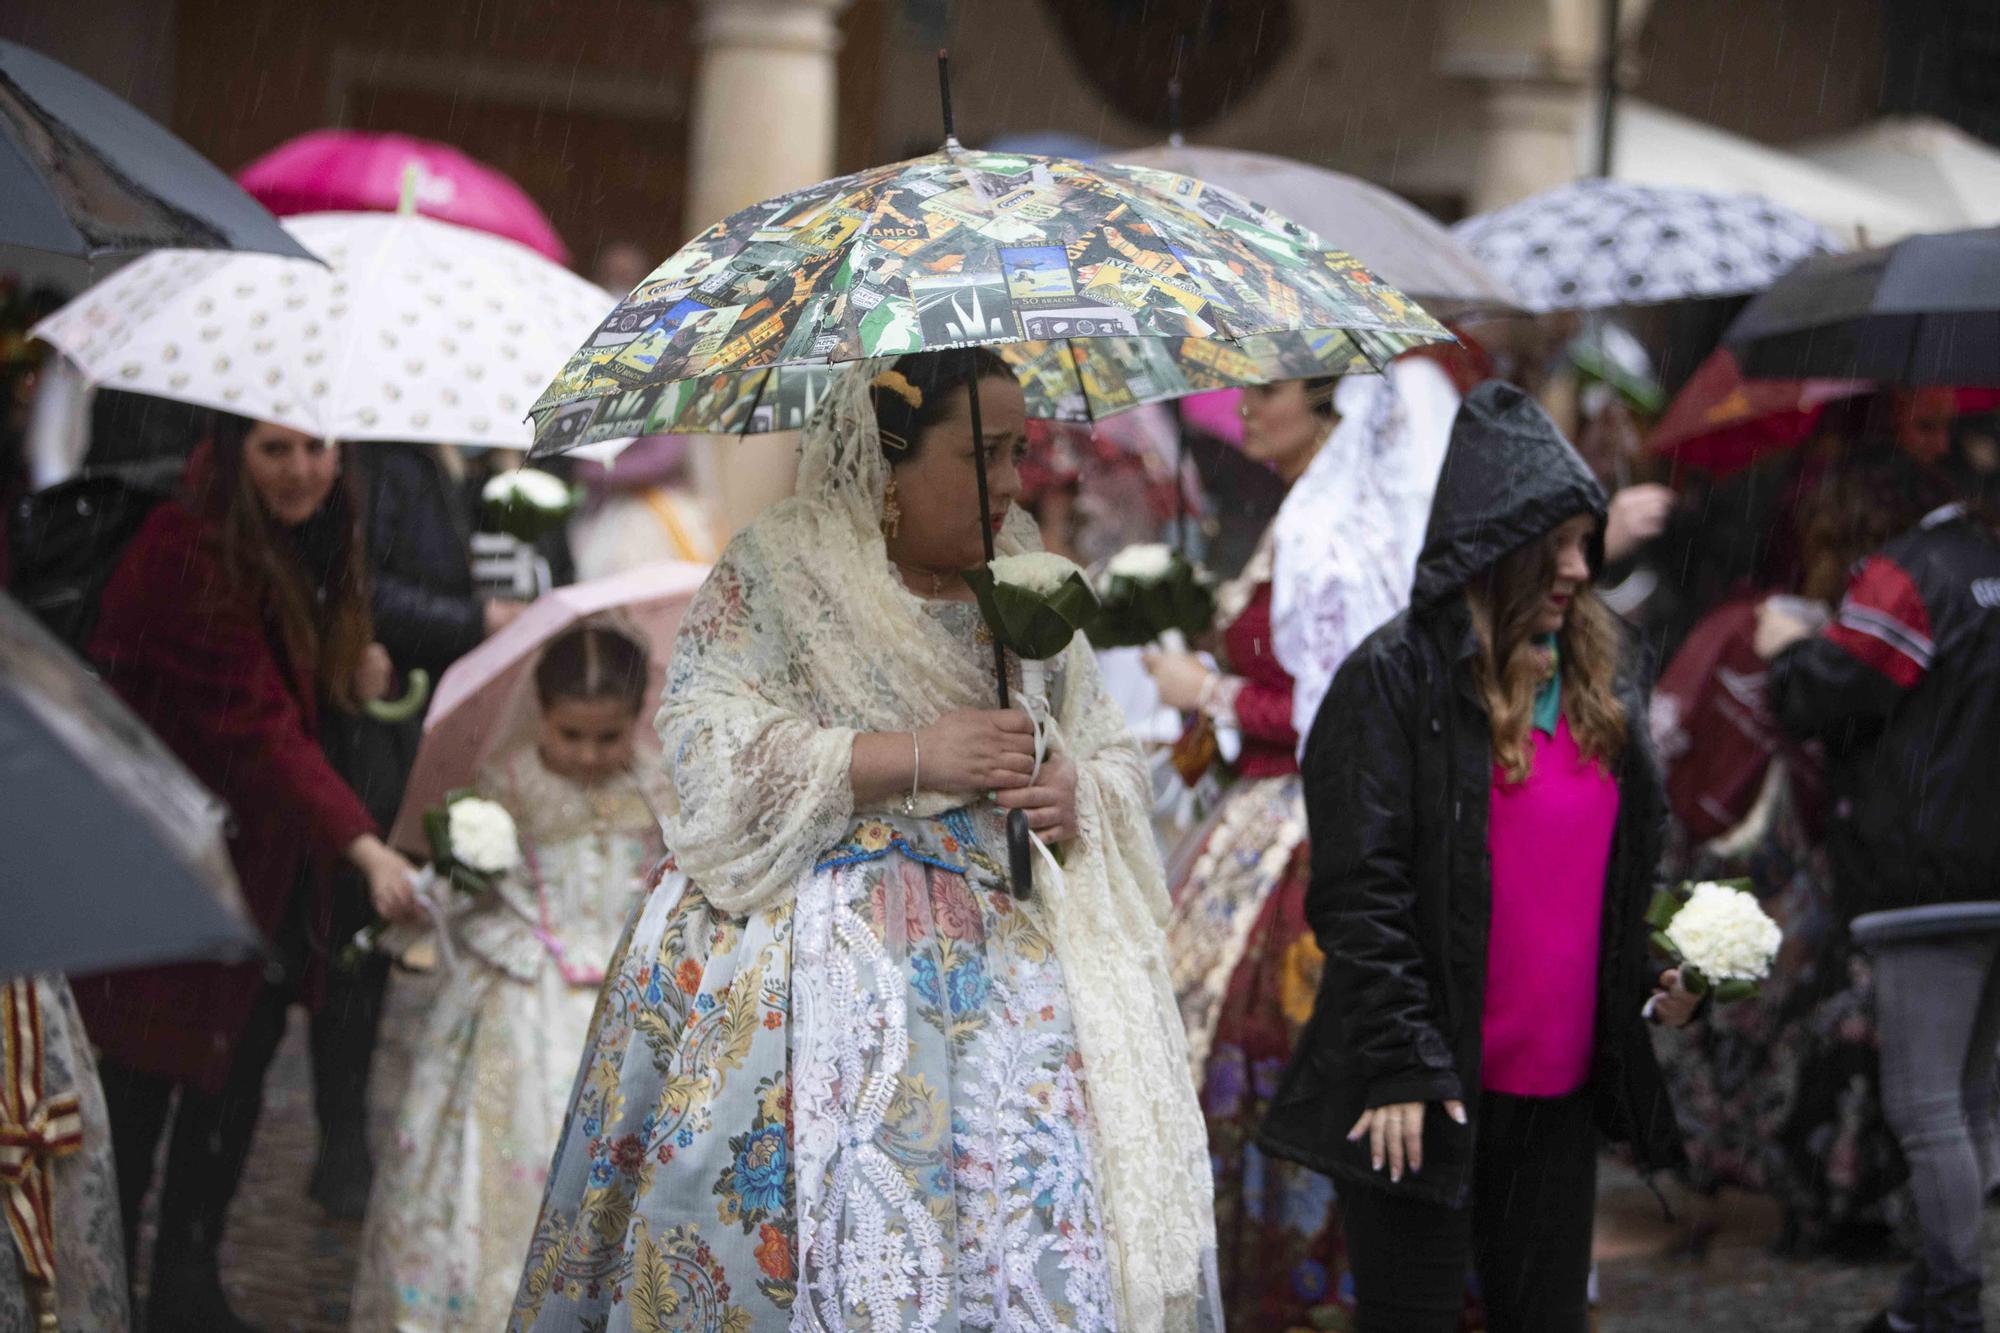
1508,673
311,582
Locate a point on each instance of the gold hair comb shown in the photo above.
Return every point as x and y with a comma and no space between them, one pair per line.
897,383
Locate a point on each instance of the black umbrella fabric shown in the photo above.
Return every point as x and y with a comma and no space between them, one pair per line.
111,854
1923,311
87,176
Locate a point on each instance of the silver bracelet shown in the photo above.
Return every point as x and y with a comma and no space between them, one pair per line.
916,772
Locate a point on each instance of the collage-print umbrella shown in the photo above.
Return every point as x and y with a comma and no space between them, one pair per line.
1105,287
1599,244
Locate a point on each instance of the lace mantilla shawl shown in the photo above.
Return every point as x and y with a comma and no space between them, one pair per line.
1347,537
801,638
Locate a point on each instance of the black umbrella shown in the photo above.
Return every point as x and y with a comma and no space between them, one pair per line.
87,176
1923,311
111,854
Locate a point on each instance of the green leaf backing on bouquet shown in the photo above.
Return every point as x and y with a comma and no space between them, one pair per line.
1133,612
1033,625
525,521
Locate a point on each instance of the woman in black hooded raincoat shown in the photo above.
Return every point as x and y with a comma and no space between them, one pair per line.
1479,1022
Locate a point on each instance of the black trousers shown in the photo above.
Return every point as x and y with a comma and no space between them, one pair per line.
1526,1232
343,1031
207,1150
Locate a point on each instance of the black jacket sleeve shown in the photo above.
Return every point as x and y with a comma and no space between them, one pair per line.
425,612
1820,691
1359,778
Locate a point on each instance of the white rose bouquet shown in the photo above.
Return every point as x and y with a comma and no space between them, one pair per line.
1718,934
473,842
1151,593
527,503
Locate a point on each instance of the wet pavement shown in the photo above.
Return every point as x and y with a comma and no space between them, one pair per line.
290,1270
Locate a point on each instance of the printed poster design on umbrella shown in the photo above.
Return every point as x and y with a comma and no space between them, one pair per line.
966,248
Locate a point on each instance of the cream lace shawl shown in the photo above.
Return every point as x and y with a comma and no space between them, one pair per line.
803,637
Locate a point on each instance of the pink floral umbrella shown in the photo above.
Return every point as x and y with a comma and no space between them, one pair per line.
354,171
486,702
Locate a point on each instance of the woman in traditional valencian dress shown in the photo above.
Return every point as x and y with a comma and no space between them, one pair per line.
839,1076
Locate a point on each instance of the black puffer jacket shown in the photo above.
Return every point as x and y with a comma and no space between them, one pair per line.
1398,776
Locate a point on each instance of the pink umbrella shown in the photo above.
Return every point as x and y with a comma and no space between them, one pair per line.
485,704
354,171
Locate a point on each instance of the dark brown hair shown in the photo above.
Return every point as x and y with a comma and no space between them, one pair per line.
311,582
592,662
935,376
1505,603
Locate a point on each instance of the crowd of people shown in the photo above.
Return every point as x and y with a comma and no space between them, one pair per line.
1324,1030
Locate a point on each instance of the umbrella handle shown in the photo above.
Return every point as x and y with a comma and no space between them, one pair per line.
1019,855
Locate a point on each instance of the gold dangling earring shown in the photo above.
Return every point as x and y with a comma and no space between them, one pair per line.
892,512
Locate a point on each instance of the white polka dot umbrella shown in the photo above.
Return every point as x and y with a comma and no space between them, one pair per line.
417,330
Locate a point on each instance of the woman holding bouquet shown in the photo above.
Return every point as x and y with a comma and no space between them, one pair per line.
236,617
839,1076
1486,824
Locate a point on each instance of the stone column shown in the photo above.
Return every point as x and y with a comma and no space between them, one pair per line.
1537,62
764,121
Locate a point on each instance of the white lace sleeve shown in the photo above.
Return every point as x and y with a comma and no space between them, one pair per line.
759,787
1108,925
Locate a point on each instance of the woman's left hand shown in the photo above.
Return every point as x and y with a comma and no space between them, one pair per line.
1179,677
1673,1003
1050,803
373,674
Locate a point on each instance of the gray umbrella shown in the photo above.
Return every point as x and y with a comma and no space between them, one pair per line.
1925,310
1400,243
87,176
111,854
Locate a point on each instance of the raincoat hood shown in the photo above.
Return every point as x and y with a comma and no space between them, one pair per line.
1509,477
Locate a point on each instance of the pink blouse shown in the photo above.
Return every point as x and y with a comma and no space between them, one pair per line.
1550,842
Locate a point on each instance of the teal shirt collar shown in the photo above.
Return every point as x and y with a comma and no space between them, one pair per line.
1549,697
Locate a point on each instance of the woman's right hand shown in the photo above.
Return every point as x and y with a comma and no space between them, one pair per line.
977,749
391,878
1396,1134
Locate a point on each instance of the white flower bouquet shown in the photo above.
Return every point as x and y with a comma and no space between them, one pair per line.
1718,934
473,842
527,503
1149,593
1034,603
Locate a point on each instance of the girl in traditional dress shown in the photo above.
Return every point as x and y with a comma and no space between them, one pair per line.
840,1076
491,1072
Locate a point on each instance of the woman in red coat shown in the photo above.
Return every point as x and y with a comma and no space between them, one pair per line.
236,614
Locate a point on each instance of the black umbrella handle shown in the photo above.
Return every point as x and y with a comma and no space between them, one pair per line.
1019,853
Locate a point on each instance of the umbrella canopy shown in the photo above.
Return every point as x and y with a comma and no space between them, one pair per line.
1921,158
418,330
355,171
1923,311
115,854
87,176
485,704
1137,285
1598,244
1722,423
1400,243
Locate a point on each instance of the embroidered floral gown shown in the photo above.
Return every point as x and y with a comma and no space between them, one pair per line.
879,1069
455,1203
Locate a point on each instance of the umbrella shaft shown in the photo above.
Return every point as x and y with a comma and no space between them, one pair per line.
986,519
